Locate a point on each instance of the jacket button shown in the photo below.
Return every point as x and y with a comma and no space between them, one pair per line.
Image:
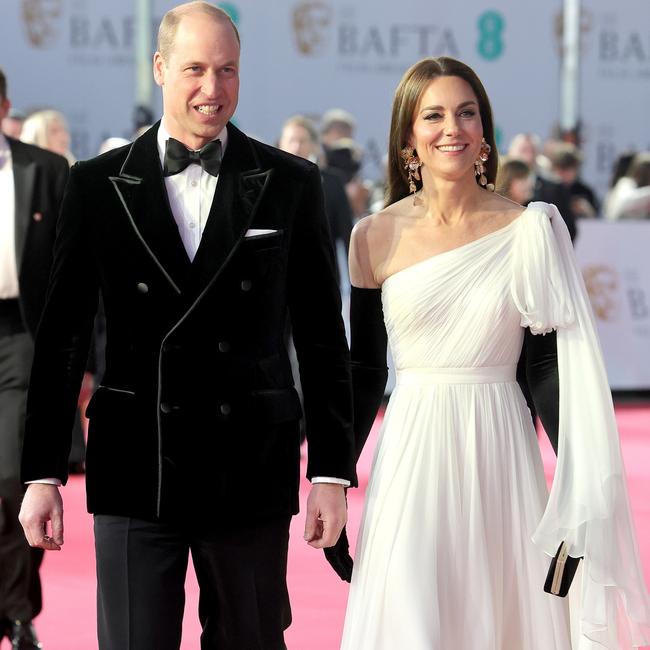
165,407
246,285
225,409
142,287
224,346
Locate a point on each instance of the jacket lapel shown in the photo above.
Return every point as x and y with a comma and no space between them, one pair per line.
239,190
141,189
24,171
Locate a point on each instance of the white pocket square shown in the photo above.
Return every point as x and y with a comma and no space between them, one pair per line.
254,232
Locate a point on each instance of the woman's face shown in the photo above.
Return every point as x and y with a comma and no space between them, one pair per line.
58,138
447,128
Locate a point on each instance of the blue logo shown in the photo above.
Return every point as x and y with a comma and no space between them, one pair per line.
490,27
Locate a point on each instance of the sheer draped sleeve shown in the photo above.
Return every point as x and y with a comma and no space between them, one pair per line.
588,505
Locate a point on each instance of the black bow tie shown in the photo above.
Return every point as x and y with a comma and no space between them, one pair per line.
178,157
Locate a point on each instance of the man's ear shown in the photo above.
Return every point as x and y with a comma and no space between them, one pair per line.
159,69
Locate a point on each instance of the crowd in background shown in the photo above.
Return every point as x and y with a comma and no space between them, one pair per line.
531,170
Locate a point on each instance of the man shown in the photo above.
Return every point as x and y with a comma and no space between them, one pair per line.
337,124
566,161
525,146
31,189
193,443
299,136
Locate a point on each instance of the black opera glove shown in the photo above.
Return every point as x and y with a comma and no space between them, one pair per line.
368,347
543,381
339,557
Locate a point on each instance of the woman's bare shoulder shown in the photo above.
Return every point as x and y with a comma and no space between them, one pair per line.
371,240
504,210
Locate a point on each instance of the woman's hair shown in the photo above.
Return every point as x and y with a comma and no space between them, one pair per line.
639,170
35,127
407,97
510,170
621,166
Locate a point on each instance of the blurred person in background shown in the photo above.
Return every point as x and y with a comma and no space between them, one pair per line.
299,136
345,158
32,181
526,147
111,143
12,125
336,124
566,161
630,196
515,180
48,129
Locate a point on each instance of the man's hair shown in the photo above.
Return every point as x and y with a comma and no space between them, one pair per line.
3,86
305,123
566,156
337,118
171,20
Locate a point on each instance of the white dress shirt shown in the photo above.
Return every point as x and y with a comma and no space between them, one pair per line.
8,267
190,194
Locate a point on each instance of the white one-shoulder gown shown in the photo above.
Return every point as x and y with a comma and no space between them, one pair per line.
445,558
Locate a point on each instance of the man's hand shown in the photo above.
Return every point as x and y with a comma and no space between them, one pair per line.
42,503
326,514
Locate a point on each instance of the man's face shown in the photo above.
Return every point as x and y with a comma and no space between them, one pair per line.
199,79
295,139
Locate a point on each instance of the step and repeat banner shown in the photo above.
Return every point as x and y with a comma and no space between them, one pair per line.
310,55
615,265
306,56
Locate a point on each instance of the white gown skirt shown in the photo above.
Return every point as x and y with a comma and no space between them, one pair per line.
445,559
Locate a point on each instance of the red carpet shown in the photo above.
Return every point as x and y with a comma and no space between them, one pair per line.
318,596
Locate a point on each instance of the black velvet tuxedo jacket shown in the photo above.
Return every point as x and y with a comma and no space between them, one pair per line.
196,415
39,181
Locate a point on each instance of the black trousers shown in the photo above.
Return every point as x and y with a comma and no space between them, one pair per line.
20,587
241,571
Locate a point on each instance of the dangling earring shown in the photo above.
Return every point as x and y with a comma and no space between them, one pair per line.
479,166
412,165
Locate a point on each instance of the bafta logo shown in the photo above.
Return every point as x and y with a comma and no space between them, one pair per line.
311,21
602,286
40,18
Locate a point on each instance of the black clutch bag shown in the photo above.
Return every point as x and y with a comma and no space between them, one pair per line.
561,572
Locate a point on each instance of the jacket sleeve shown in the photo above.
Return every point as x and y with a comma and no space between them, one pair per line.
61,346
319,337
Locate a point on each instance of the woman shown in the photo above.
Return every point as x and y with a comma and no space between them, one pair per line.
515,181
456,533
48,129
630,196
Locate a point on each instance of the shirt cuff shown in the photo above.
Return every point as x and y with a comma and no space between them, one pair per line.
330,479
45,481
